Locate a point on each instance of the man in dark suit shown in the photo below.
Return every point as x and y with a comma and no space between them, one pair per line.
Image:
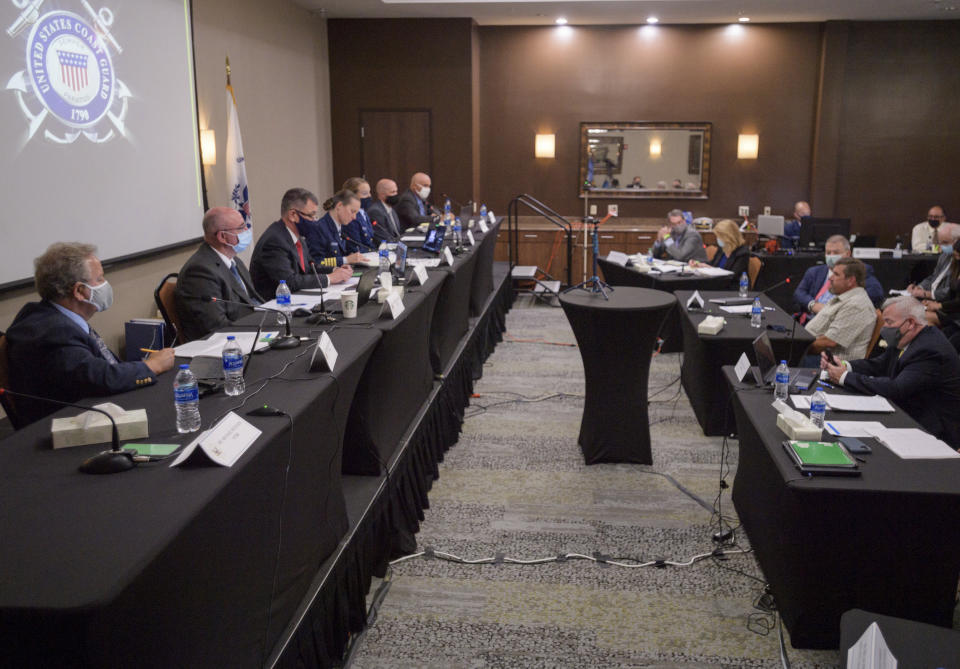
386,223
52,350
216,271
413,207
791,228
920,370
813,293
281,253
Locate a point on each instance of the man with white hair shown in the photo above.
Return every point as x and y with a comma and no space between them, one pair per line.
920,370
937,286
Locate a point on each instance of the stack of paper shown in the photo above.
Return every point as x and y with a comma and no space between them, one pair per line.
837,402
426,262
914,444
712,271
214,344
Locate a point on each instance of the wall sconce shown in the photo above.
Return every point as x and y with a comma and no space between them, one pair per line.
545,146
748,146
208,147
655,148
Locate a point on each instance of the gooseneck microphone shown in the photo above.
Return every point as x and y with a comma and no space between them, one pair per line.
359,243
113,461
286,340
320,316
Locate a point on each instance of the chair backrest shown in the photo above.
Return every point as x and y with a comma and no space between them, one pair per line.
753,270
875,337
711,252
164,297
6,400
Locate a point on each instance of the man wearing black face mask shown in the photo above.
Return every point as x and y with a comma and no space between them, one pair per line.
52,350
924,237
281,253
920,370
386,224
216,271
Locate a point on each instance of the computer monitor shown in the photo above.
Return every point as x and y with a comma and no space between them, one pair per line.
814,231
770,226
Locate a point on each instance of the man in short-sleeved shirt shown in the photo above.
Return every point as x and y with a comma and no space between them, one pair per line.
846,324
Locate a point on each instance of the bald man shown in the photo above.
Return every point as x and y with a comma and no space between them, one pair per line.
924,234
386,224
216,271
791,228
413,207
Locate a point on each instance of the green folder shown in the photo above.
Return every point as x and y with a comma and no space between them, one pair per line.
820,454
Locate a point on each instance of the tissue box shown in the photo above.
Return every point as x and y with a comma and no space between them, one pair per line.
803,430
92,427
711,325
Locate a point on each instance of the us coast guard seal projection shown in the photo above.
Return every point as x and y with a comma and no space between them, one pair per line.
99,129
69,85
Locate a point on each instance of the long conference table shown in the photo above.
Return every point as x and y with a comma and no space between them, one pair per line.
885,541
267,562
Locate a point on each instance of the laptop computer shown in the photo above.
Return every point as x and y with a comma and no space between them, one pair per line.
766,370
365,285
770,226
434,241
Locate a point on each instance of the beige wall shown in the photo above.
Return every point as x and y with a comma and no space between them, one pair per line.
278,54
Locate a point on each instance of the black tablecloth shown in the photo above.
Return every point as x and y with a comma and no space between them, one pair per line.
886,541
913,644
159,567
483,272
617,275
616,339
892,274
452,314
705,355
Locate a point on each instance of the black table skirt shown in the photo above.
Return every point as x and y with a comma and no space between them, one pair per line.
483,272
452,313
886,541
704,356
616,339
671,333
892,274
193,566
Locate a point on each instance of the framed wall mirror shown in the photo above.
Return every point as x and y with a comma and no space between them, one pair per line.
639,159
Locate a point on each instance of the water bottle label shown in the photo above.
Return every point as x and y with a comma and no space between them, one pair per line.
232,362
783,378
186,394
818,407
283,299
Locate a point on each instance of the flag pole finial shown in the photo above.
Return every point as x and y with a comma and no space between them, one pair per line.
228,70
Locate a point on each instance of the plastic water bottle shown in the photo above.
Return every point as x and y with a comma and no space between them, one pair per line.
384,256
781,387
457,236
283,301
232,356
756,314
818,407
744,284
483,212
898,249
186,397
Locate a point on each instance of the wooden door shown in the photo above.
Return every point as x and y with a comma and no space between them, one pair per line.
395,143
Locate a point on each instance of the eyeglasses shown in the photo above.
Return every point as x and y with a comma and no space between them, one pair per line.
237,231
310,217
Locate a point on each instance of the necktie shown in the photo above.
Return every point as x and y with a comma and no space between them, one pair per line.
420,207
394,226
303,266
236,275
104,350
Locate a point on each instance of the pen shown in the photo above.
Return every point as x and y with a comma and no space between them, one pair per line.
832,429
824,383
148,350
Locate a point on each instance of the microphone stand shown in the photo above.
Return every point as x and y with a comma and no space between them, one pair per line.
114,461
322,316
286,340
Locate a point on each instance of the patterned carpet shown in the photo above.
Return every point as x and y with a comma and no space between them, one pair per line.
516,485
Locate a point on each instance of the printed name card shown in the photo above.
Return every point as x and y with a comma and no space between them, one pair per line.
617,258
395,302
329,351
742,367
420,272
483,226
470,237
448,255
223,444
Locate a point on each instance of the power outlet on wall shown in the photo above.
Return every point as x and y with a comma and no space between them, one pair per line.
743,210
613,209
593,210
766,210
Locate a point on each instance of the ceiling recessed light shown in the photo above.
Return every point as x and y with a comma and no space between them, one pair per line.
561,21
744,19
653,19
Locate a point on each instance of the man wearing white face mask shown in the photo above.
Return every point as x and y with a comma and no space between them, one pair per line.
52,350
813,293
216,271
414,208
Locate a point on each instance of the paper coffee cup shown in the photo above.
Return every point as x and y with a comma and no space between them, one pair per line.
348,299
